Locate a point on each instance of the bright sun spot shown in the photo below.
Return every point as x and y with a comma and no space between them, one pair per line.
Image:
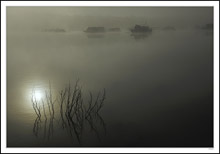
38,95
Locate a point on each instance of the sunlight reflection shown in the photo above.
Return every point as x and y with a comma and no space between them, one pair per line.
34,89
37,95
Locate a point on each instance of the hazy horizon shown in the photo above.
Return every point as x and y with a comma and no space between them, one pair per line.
78,18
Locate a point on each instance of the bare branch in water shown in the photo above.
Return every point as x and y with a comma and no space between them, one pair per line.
74,111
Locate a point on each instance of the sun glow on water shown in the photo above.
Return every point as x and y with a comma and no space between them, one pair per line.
37,95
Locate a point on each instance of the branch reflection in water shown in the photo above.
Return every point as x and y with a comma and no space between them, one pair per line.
73,112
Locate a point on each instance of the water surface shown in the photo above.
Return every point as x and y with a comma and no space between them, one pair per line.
159,88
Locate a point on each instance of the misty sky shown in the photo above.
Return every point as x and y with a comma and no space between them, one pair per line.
81,17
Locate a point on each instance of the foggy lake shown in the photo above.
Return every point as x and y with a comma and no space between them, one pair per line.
159,87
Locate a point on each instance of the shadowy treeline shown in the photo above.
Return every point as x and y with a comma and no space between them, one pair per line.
71,113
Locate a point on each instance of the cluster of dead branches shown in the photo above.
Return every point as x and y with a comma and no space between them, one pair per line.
74,110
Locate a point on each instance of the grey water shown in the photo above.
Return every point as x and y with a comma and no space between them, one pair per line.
159,88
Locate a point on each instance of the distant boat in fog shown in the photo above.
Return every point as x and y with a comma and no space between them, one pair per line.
95,30
141,29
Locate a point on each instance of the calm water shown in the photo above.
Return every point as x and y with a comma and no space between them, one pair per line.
158,88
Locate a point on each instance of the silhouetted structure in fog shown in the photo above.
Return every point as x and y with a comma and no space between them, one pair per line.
141,29
95,30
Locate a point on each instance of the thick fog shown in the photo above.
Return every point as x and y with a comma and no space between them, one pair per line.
78,18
